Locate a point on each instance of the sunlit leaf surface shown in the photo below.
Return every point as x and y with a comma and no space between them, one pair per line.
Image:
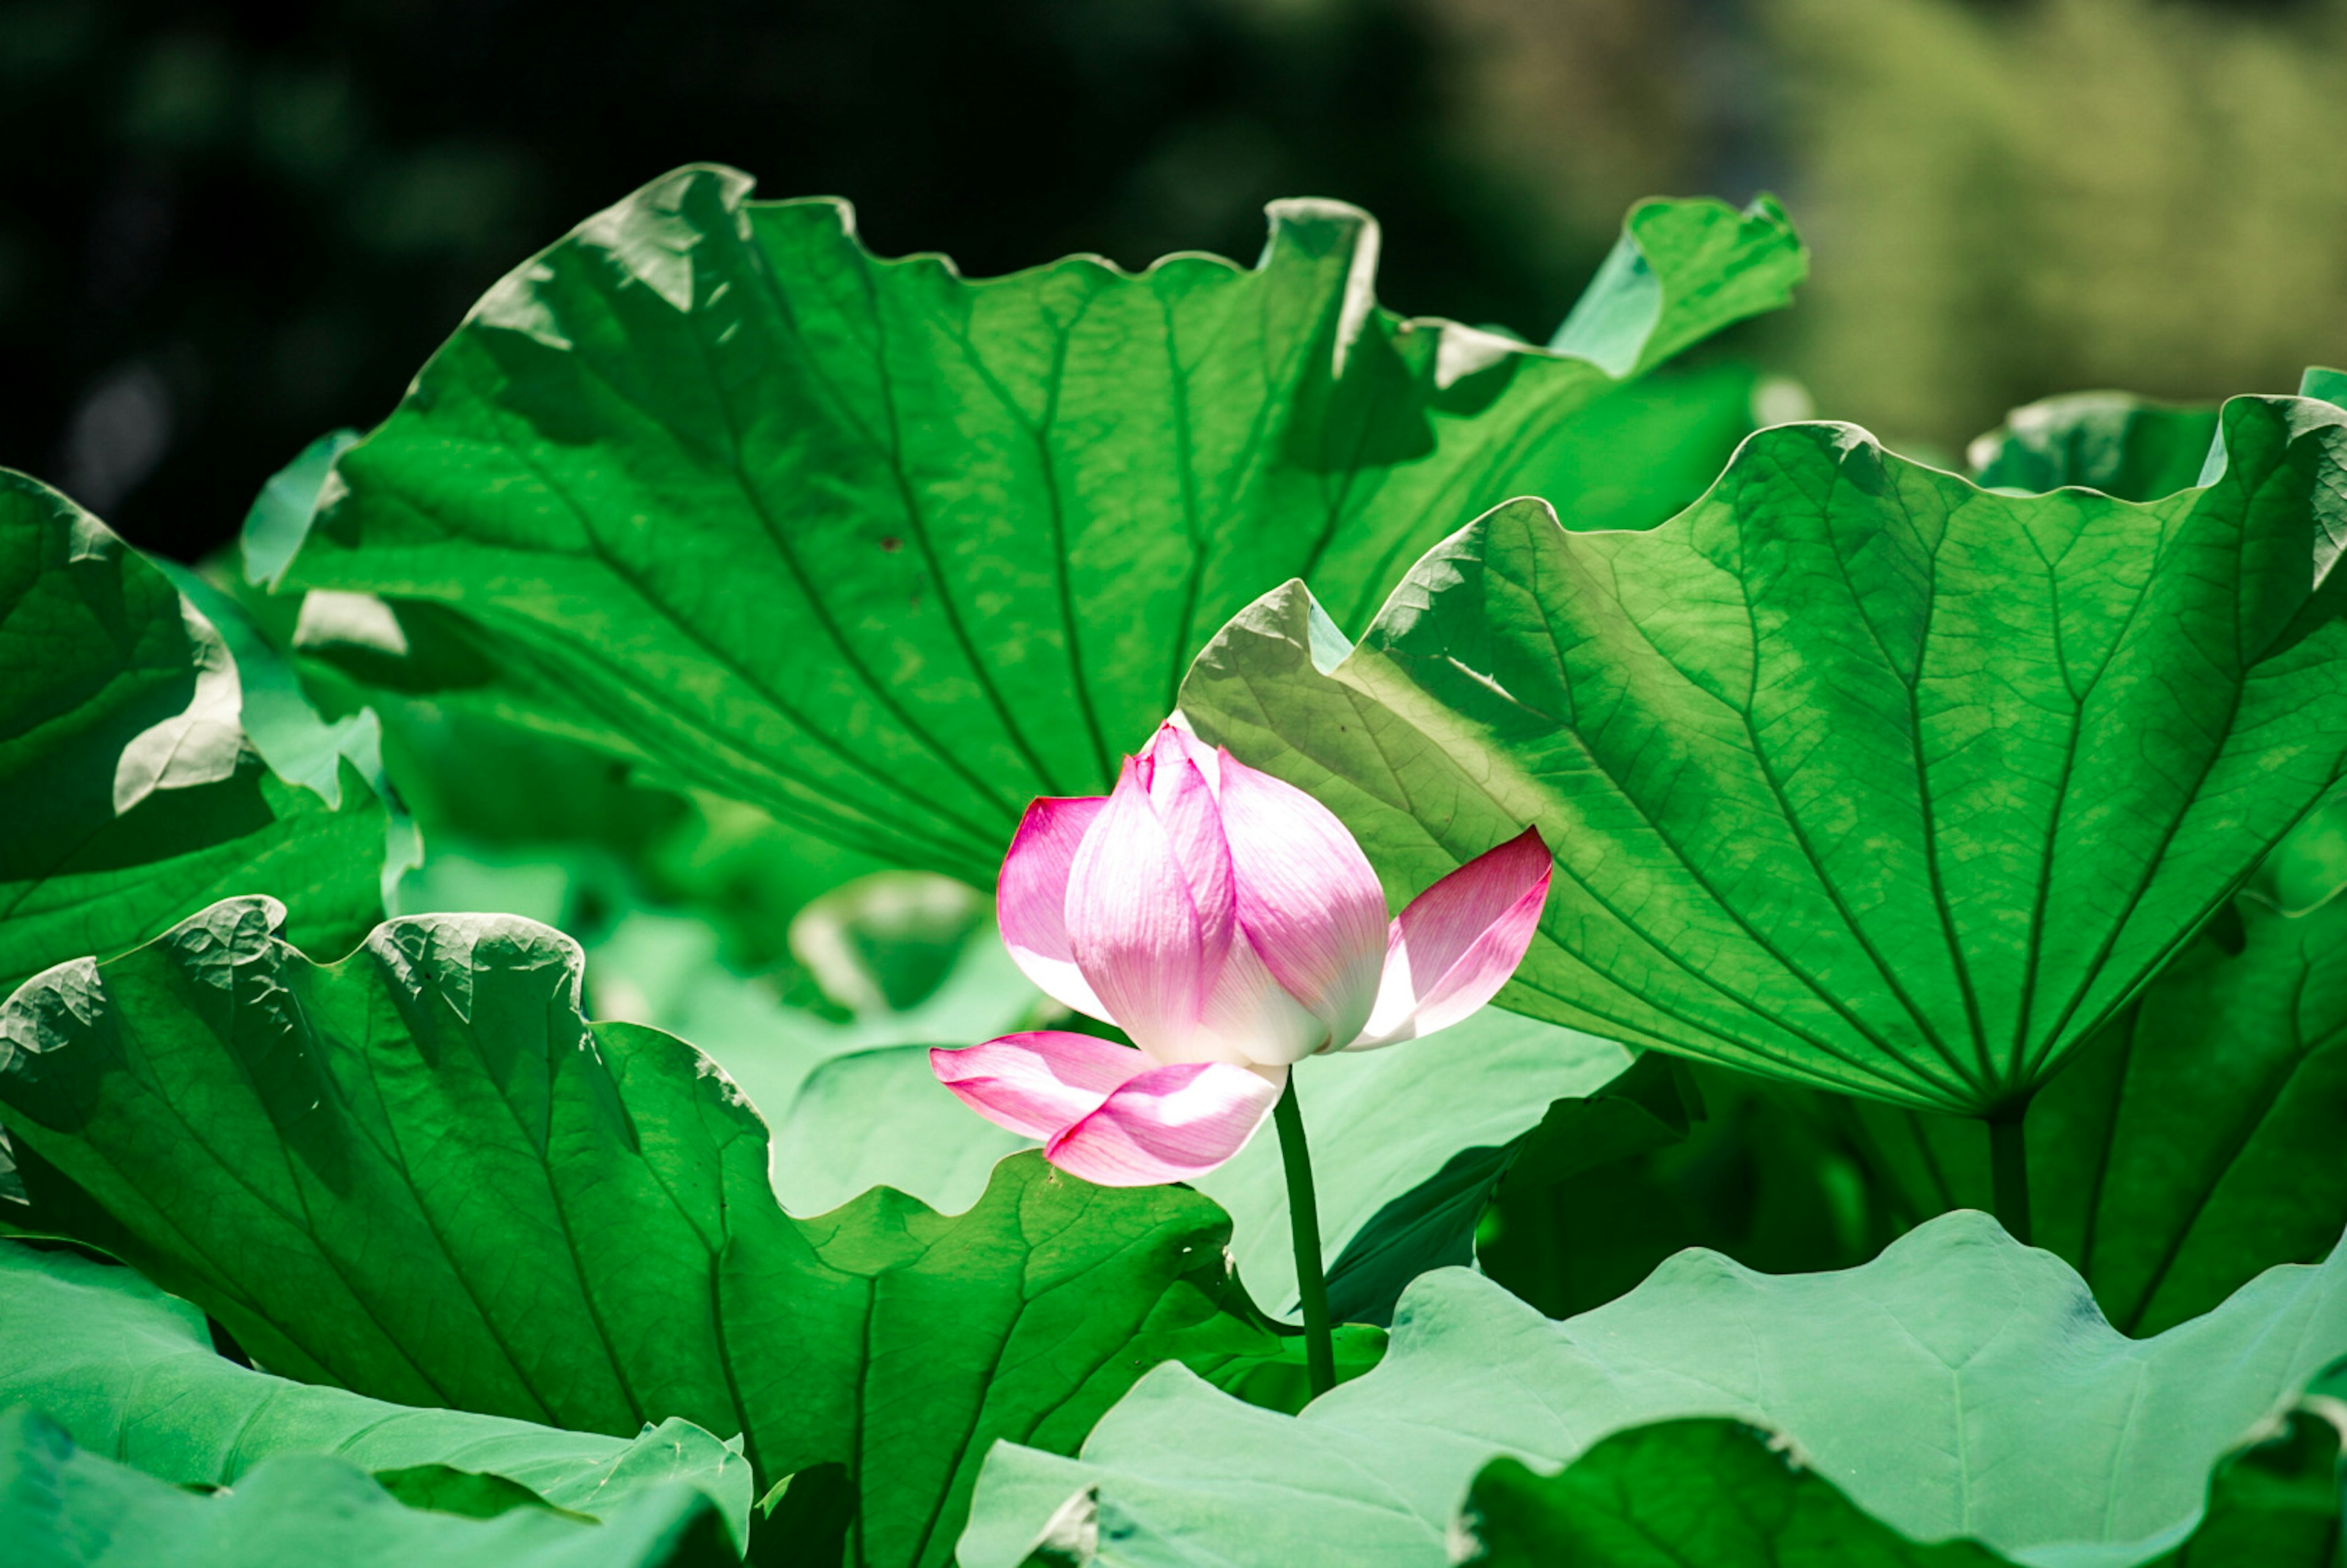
1855,773
890,552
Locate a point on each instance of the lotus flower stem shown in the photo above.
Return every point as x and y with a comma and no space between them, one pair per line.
1304,1225
2008,1161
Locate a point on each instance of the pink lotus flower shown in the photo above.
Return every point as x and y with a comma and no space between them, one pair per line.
1228,923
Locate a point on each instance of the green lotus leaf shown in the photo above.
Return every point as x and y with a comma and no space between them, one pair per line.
61,1505
420,1175
2126,447
131,794
2191,1144
889,551
1958,1385
1856,774
1681,1492
130,1373
1721,1494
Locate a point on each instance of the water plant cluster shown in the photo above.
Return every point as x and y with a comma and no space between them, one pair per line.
821,912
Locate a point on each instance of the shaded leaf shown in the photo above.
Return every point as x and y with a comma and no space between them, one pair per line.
2191,1144
1684,1493
889,551
1755,1177
1856,774
1720,1494
467,1493
418,1173
130,794
2123,445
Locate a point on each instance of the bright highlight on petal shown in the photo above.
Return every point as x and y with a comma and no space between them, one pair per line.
1038,1082
1459,940
1147,949
1168,1124
1307,898
1031,898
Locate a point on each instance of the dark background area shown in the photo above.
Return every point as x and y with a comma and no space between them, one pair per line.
230,229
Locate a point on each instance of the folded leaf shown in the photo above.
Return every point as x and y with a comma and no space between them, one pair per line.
420,1174
131,1372
1960,1384
1855,775
60,1505
890,552
132,796
1722,1495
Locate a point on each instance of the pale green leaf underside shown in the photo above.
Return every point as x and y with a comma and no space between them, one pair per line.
130,1373
1855,773
1380,1123
60,1505
1960,1384
891,551
418,1173
130,796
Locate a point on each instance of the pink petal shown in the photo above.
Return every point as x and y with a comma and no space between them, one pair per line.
1148,930
1173,738
1168,1124
1038,1082
1306,896
1249,1019
1459,941
1185,802
1030,899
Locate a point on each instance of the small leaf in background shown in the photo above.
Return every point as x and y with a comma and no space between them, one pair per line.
887,552
421,1175
2126,447
129,1371
1959,1384
1856,774
130,794
61,1505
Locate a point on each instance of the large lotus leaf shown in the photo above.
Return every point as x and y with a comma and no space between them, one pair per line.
890,552
1960,1384
1856,774
419,1174
130,794
1721,1495
61,1507
1407,1146
131,1372
2192,1143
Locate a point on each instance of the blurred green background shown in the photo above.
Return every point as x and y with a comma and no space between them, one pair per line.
229,228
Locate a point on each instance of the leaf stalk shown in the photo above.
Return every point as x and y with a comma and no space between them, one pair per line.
1304,1226
2008,1163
